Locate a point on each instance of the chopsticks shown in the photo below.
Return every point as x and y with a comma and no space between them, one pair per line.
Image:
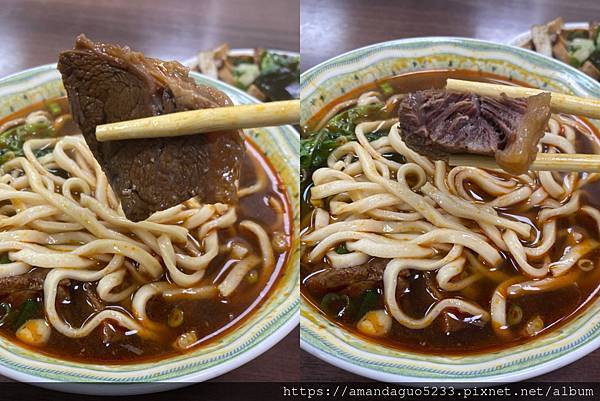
559,103
202,121
565,162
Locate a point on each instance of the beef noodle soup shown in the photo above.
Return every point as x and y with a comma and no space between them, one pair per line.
78,280
419,255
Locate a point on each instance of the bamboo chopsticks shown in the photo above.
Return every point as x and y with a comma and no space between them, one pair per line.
202,121
564,162
559,103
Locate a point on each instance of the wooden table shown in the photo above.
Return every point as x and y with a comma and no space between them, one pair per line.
332,27
33,32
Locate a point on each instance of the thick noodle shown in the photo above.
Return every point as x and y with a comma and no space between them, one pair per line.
424,216
75,228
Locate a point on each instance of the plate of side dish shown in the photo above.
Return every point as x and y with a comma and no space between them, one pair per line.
151,303
416,271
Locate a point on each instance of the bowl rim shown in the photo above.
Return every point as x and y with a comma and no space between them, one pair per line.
335,359
548,61
287,311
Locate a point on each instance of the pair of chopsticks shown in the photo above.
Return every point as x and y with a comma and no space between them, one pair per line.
288,112
559,103
203,121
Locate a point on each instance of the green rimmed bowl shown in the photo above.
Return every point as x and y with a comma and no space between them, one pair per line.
266,325
330,342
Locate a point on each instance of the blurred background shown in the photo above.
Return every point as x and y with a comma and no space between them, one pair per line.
34,32
332,27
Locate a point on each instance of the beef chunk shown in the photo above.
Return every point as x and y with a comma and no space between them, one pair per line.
16,289
437,123
31,281
107,83
353,279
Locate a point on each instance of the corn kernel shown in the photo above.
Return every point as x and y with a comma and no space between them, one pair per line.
376,323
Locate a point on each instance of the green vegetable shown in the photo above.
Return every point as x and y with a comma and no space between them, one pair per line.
271,63
574,62
4,258
316,147
279,76
341,249
244,74
386,88
581,49
367,303
12,140
54,108
335,304
28,310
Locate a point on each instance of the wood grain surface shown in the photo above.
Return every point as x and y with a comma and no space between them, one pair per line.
34,32
332,27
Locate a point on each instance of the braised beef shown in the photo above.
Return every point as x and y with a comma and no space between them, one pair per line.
16,289
361,277
31,281
437,123
107,83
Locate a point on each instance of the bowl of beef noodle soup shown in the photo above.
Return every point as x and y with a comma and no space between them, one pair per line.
414,270
107,273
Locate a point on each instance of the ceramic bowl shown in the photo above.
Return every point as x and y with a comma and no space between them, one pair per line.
268,324
330,342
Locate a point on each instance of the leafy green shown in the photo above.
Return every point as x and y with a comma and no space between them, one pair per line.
580,49
573,62
28,310
279,76
4,258
15,317
274,63
316,146
341,249
368,302
12,140
244,74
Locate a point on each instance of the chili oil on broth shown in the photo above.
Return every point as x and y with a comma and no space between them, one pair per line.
555,308
208,318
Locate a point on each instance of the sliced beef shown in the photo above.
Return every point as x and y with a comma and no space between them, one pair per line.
31,281
16,289
107,83
352,278
437,123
